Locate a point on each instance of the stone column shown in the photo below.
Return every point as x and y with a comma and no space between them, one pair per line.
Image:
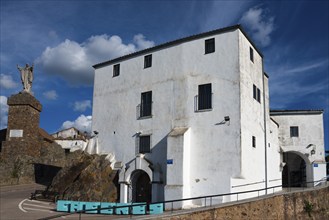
23,126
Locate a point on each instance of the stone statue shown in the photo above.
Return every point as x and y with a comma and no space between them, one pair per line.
26,77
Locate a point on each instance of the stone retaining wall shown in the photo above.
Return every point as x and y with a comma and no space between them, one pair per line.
311,204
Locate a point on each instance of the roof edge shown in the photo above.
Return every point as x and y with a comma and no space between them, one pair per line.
296,112
176,42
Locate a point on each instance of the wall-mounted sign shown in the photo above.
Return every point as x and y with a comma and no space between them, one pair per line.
315,165
170,161
15,133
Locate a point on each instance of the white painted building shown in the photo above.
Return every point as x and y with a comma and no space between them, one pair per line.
301,139
188,118
71,139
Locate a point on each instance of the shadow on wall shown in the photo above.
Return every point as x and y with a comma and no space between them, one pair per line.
159,153
44,174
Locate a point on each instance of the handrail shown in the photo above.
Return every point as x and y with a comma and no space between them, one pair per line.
181,200
248,184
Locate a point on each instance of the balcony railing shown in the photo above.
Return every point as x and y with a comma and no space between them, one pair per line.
144,110
203,103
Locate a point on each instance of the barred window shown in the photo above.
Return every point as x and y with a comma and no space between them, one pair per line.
204,97
146,104
145,144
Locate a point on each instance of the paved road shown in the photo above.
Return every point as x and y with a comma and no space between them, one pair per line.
15,205
13,196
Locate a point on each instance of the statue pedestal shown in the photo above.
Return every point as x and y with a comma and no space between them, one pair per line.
23,126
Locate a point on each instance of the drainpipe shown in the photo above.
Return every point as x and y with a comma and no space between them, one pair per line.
265,136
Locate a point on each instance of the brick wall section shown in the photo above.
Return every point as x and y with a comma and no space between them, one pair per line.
287,206
23,114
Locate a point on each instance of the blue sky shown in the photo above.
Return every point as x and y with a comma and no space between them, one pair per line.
65,38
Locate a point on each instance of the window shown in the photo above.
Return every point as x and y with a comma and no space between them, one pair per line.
116,70
253,141
256,93
145,144
204,97
251,51
148,61
146,104
210,45
294,131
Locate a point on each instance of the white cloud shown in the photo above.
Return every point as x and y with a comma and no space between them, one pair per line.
7,82
141,42
82,123
220,13
81,106
3,112
307,67
259,24
73,61
51,95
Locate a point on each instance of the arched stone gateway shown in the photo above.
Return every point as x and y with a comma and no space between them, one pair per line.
140,181
297,170
141,187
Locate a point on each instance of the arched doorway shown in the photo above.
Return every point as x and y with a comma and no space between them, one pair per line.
294,172
141,187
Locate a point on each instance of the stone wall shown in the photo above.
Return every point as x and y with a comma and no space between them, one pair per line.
20,168
24,117
310,204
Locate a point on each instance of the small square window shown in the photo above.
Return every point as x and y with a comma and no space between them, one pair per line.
145,144
294,131
116,70
254,141
251,51
210,45
148,61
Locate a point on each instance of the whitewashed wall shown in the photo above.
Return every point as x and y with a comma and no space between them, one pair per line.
70,132
73,145
310,124
220,154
